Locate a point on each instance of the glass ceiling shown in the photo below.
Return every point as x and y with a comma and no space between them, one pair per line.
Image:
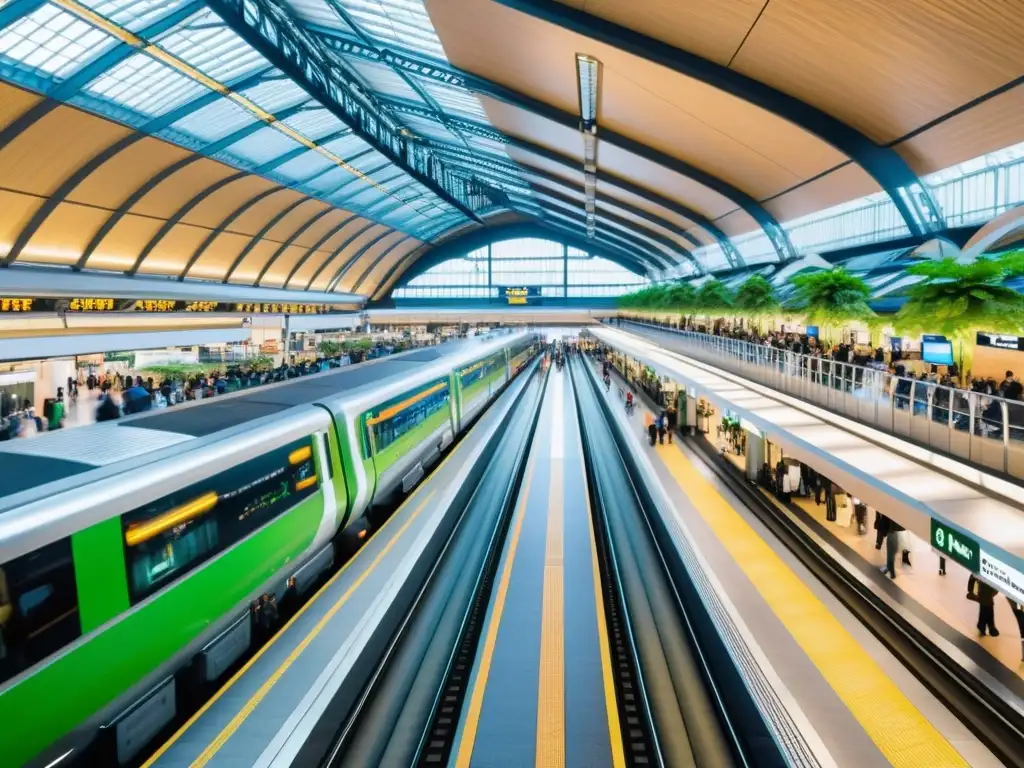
177,70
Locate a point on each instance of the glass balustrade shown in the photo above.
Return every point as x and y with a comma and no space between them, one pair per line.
982,429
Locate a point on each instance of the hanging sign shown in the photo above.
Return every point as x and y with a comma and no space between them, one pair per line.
521,294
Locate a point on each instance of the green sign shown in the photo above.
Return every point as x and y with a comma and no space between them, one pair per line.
956,546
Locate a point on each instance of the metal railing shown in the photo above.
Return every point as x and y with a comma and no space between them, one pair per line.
986,430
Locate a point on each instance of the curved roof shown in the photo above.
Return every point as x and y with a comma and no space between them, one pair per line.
328,144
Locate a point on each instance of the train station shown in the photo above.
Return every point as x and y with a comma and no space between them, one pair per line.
511,383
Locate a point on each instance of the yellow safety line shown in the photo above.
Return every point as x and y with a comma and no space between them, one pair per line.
611,707
240,717
900,731
202,759
476,699
550,751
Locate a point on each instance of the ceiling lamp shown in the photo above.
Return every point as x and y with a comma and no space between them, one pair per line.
588,74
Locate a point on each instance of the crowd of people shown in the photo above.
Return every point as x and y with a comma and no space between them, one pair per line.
123,394
943,382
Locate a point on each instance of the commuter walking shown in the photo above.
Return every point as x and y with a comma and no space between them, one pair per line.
652,428
981,593
881,529
1018,614
672,417
661,428
892,548
831,513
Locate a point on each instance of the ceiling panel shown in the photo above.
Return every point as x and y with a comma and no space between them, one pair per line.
713,30
885,67
173,192
111,184
710,129
842,185
39,159
990,126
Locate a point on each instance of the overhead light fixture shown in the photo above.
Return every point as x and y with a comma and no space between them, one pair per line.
588,72
588,76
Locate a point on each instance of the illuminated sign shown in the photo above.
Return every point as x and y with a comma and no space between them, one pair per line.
16,305
526,294
92,304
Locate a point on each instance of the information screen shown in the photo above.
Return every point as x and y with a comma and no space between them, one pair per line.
99,305
1000,341
937,352
521,294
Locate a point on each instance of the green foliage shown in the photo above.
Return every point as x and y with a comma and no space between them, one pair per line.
261,363
756,297
176,371
957,300
351,345
329,348
713,296
831,298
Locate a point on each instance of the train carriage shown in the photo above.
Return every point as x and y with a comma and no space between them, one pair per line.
131,551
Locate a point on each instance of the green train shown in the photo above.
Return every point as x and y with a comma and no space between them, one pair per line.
131,552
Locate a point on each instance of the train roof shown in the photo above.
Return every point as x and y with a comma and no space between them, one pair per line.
28,464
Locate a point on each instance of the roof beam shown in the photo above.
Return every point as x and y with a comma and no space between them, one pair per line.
607,200
373,264
340,250
260,235
301,230
445,73
354,259
283,43
634,231
416,262
731,254
316,246
646,253
912,198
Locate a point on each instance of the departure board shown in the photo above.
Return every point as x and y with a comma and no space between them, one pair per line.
102,305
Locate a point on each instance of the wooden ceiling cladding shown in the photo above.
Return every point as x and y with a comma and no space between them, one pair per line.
518,122
682,117
990,126
52,149
885,67
712,29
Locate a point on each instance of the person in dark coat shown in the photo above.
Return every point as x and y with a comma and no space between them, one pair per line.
984,595
672,420
881,529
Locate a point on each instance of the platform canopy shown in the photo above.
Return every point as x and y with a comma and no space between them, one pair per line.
327,145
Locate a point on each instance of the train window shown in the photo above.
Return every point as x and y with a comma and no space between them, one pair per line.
392,420
172,535
329,469
38,607
481,369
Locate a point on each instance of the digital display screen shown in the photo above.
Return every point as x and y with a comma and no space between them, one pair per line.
937,352
1000,341
91,304
523,294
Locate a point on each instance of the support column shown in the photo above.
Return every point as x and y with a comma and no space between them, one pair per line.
565,271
